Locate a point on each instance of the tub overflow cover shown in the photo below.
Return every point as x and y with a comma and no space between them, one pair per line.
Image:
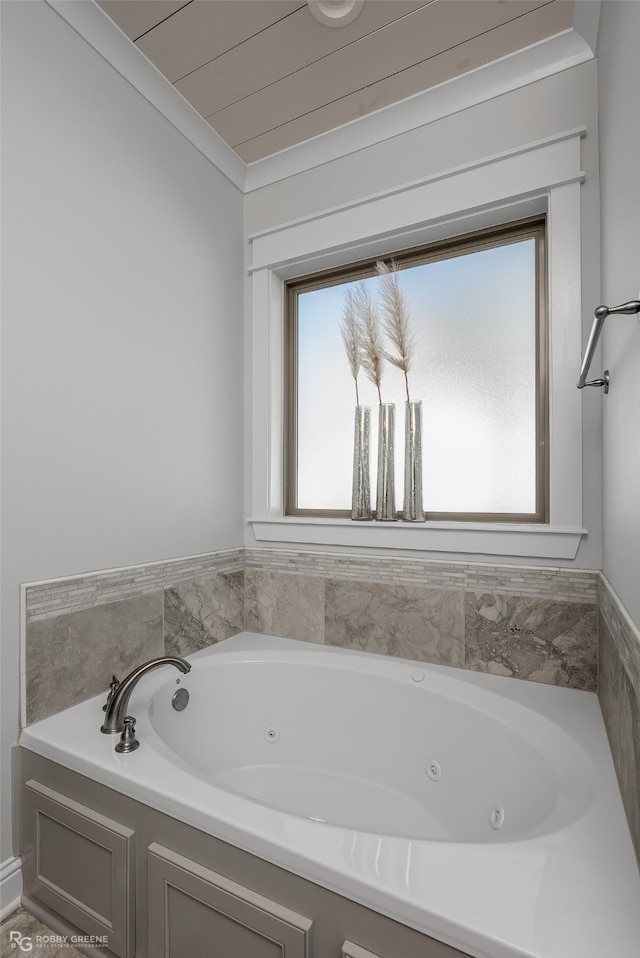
180,700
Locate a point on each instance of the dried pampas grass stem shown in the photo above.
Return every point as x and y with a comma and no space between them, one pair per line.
372,352
351,337
396,320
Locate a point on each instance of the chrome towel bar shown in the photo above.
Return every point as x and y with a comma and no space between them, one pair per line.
599,316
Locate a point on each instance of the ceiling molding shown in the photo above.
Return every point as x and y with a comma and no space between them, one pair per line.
586,21
541,60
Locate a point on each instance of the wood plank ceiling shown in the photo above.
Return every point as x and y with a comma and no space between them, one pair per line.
265,74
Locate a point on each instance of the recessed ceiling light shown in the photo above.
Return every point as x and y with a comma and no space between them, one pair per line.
335,13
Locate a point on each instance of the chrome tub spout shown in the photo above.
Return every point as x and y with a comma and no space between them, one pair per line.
118,701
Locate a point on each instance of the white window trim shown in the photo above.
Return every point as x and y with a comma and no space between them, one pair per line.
543,176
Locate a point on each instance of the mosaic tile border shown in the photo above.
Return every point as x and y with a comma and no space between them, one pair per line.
569,585
53,597
626,637
58,596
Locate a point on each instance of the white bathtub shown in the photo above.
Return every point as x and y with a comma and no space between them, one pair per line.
480,810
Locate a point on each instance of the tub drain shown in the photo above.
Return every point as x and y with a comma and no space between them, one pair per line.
272,734
496,819
434,772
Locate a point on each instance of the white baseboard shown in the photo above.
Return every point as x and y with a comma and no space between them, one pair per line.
10,885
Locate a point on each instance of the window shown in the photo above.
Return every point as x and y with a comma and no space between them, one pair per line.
539,179
476,310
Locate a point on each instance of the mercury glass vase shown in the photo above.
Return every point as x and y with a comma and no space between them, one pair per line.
361,488
385,492
412,510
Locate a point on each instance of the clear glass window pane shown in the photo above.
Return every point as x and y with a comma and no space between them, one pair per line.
474,317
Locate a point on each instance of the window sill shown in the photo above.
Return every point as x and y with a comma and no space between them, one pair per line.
534,541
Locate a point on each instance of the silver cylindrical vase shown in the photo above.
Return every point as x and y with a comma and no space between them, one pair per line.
412,510
385,492
361,488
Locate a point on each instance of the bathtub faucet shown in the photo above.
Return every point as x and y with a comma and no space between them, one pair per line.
118,701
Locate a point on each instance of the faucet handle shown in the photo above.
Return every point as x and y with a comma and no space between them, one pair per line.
113,687
128,741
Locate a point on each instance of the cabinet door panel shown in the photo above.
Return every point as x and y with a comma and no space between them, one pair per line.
196,911
81,865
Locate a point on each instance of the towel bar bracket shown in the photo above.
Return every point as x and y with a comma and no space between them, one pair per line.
599,316
599,382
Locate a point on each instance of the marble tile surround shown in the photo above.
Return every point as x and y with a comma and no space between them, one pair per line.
530,622
535,623
80,631
407,620
203,611
288,605
537,639
543,640
71,657
619,694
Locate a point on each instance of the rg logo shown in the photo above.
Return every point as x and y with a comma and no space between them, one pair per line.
18,940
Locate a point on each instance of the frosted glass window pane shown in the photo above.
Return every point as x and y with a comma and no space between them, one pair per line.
474,318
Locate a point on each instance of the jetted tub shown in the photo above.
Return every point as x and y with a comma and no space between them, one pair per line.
480,810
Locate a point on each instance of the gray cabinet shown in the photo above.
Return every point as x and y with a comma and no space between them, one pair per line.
99,863
197,912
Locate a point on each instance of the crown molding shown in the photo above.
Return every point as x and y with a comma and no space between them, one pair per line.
537,62
543,59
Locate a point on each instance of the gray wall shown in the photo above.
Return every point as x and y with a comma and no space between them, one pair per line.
619,638
122,331
618,89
